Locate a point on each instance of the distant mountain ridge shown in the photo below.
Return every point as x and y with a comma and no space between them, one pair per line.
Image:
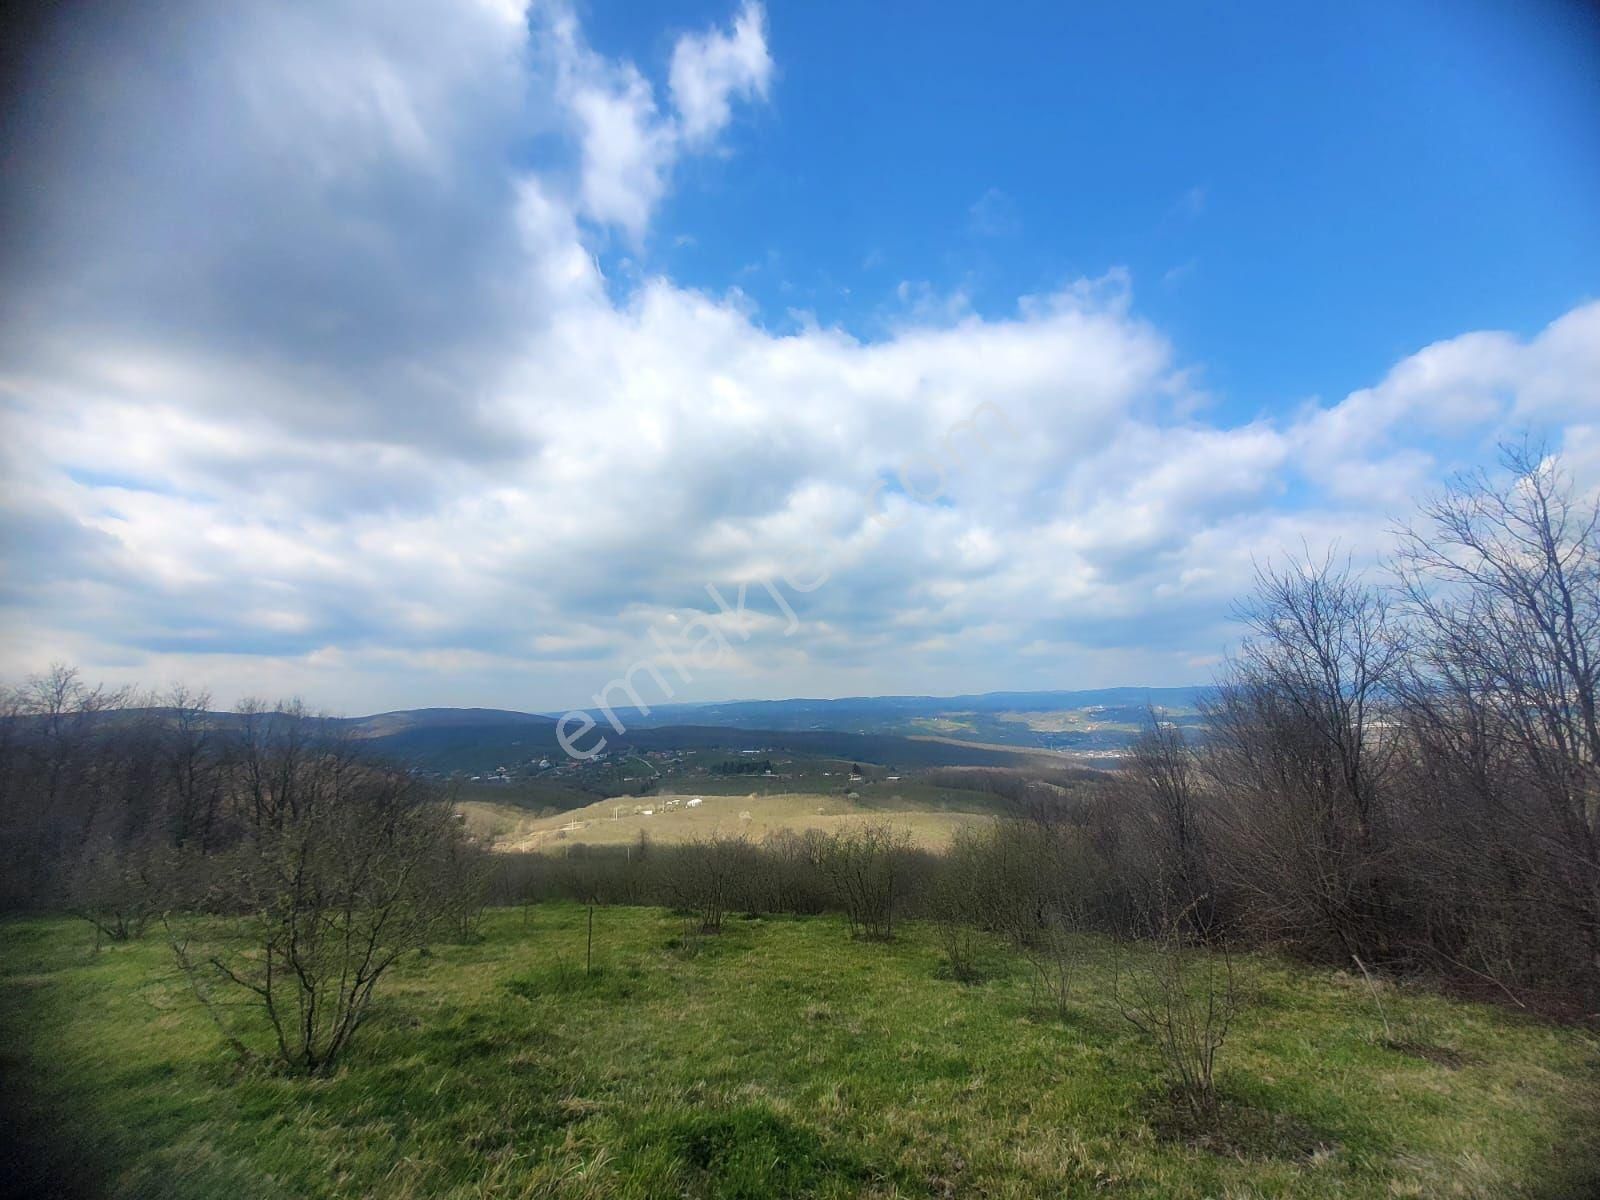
758,714
1096,719
382,724
988,727
386,723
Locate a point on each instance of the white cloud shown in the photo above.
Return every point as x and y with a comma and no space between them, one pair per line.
710,69
389,438
628,146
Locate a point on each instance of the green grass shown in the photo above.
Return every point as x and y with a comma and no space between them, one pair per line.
777,1059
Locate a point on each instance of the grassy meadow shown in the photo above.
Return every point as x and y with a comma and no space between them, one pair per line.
777,1059
620,821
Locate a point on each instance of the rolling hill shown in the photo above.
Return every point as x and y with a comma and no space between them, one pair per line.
490,748
1102,719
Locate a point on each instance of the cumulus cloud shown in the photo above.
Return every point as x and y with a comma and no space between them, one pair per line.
628,145
710,69
311,381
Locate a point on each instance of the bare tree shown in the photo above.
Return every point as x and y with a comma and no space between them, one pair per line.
1301,742
194,767
1160,776
288,759
317,906
1502,577
65,776
1030,879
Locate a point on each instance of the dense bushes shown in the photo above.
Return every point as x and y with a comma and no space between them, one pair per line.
868,871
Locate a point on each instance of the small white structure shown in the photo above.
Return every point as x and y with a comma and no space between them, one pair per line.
649,812
694,803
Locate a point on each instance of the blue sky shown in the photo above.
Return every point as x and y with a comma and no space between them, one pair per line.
1304,193
448,351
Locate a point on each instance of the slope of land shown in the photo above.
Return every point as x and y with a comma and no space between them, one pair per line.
675,818
779,1059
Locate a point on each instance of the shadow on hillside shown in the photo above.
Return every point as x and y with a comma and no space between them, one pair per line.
1575,1165
35,1159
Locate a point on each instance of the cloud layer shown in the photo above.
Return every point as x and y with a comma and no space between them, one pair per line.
312,383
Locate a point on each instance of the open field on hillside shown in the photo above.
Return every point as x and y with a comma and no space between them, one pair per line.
672,819
1071,721
778,1059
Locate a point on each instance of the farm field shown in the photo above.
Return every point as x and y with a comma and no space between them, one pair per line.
780,1058
671,818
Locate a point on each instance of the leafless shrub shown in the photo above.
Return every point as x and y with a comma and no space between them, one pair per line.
317,905
117,890
463,870
861,864
1184,998
790,861
1032,880
704,876
954,905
